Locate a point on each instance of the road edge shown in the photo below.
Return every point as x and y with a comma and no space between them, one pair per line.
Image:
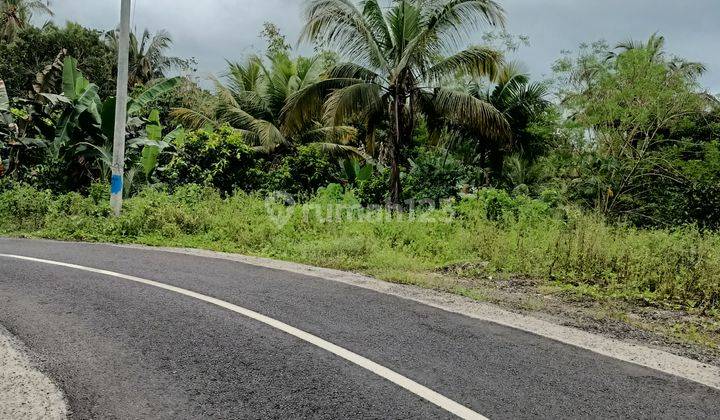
25,391
656,359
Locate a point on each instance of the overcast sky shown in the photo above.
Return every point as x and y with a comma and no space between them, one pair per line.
213,30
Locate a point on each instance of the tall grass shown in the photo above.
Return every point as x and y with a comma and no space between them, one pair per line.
499,234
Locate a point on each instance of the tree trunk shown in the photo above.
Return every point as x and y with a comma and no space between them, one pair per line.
395,184
398,139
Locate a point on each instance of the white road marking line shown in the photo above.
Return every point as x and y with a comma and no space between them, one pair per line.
392,376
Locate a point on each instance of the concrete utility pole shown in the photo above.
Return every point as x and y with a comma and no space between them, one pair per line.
121,99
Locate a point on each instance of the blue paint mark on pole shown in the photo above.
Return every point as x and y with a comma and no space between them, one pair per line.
116,184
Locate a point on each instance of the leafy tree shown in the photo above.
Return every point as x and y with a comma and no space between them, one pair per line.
395,68
655,48
218,158
276,41
631,105
34,49
433,177
148,56
15,15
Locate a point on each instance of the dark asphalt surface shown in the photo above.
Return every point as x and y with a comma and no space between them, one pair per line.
125,350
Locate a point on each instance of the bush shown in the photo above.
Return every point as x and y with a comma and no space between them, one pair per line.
23,207
219,159
374,191
433,176
302,173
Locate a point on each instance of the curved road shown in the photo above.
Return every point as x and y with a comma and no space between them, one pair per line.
121,348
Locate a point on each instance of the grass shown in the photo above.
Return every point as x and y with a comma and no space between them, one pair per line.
491,234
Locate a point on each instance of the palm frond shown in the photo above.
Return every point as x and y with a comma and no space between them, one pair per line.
194,119
448,23
340,150
352,71
373,13
339,134
339,25
512,72
343,103
246,77
475,61
306,104
269,136
231,113
461,109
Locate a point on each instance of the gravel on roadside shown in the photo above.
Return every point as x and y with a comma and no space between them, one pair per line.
26,392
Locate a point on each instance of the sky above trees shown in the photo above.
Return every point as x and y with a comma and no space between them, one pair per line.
215,30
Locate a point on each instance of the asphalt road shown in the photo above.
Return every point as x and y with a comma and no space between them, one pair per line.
120,349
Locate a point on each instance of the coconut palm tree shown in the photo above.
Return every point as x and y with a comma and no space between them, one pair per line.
397,58
252,100
148,56
520,101
16,14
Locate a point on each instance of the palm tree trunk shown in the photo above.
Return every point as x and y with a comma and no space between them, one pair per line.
396,150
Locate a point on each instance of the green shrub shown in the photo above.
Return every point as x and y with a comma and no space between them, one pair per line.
374,191
495,232
219,159
23,207
302,173
433,176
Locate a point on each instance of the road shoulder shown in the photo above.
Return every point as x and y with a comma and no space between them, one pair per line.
26,392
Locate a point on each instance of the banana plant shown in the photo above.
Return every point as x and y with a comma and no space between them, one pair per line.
143,152
353,171
155,143
77,124
86,115
81,106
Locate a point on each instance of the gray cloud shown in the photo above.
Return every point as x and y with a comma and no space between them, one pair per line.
215,30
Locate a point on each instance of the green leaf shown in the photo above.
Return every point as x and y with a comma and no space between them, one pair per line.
56,99
149,159
176,137
33,142
144,141
89,101
73,81
154,117
151,94
365,173
349,169
62,135
153,129
154,132
107,115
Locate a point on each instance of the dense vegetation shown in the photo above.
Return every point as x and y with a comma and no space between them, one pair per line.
489,234
606,176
